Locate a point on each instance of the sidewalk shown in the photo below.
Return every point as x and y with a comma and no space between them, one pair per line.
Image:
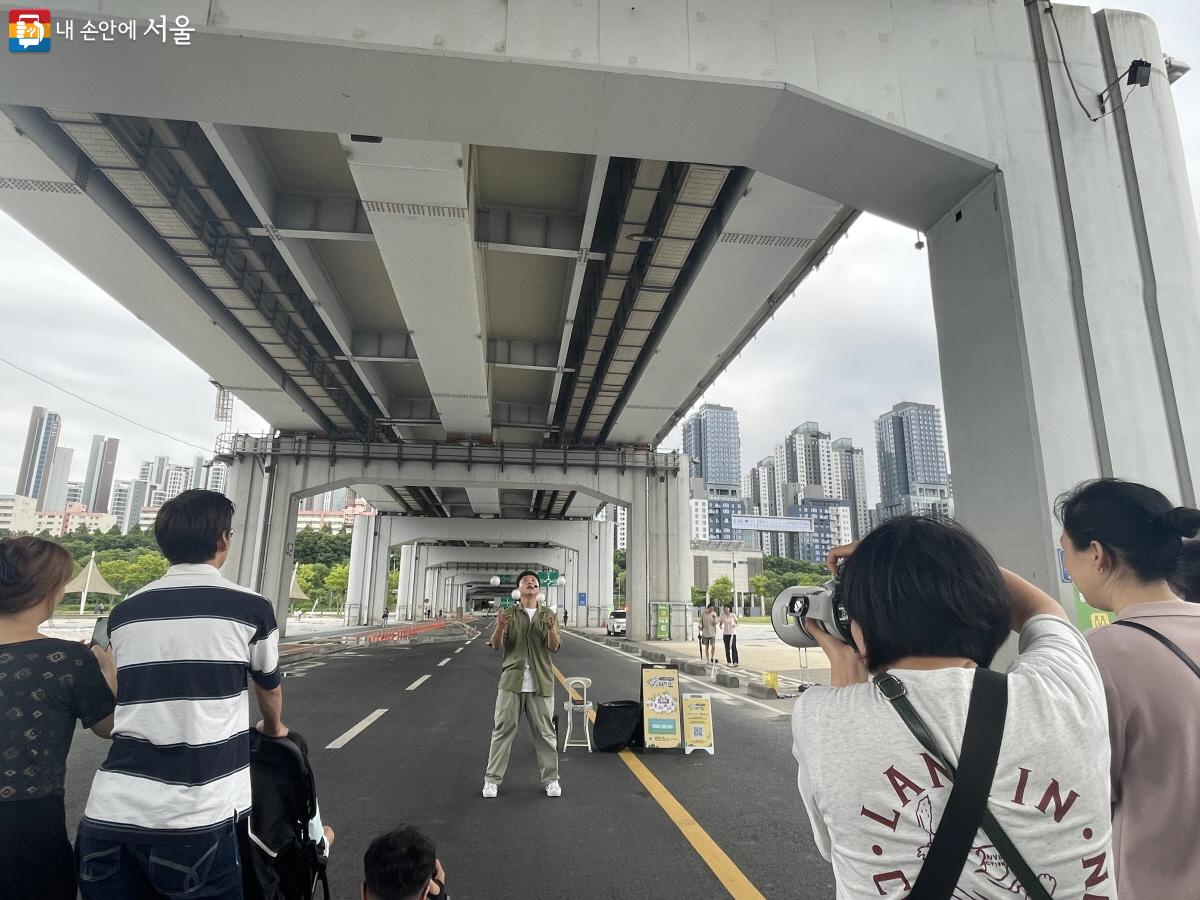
756,656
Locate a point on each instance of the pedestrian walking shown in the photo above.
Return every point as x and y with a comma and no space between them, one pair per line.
729,622
708,625
386,613
46,684
527,635
564,615
167,804
1123,545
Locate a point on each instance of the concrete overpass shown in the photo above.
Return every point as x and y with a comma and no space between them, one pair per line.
407,234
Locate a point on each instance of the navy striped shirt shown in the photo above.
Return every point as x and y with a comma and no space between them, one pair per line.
179,763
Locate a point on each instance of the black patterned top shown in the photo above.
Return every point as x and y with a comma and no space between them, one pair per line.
45,685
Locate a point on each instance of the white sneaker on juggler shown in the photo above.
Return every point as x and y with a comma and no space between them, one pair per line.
554,789
489,789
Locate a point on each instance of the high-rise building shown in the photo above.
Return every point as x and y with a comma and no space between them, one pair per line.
127,501
852,466
830,526
102,464
155,470
41,440
177,480
18,514
621,529
74,492
217,478
758,497
699,519
198,473
55,496
913,476
712,441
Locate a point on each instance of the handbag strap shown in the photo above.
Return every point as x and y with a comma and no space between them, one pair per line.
1164,640
966,809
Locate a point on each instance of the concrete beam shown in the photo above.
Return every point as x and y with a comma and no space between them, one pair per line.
249,171
383,347
417,197
514,353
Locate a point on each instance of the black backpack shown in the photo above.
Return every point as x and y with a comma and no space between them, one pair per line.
281,862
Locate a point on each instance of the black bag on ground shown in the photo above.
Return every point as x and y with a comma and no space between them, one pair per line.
618,725
281,862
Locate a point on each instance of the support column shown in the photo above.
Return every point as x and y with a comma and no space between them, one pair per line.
658,555
247,490
278,535
361,545
404,584
376,597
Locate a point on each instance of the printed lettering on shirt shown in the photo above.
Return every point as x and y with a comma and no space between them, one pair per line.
912,786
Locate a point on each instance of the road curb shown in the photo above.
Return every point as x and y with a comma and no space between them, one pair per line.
762,691
728,679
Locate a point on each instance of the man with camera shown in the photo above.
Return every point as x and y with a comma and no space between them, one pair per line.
924,773
527,634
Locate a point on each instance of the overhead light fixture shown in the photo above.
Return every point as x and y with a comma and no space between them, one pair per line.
920,244
366,138
1176,68
642,238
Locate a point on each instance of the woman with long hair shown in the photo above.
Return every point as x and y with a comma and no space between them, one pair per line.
46,684
1125,548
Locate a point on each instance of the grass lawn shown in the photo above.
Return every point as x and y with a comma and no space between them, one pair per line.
756,620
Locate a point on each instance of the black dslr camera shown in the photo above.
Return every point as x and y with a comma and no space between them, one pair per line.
822,603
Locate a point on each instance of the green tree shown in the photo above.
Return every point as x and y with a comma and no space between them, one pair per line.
338,579
698,598
393,581
721,590
759,585
129,575
325,547
619,601
311,578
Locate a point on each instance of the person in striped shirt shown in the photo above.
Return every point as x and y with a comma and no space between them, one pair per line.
163,813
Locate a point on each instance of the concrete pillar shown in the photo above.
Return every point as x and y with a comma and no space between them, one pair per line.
278,534
377,586
658,556
247,490
362,543
404,585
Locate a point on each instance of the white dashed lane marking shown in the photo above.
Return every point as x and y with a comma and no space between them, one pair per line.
420,681
356,730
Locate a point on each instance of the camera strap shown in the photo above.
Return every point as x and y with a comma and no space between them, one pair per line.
966,810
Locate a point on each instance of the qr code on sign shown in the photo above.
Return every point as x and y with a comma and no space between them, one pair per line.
697,732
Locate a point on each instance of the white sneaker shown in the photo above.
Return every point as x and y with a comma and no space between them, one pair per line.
554,789
489,789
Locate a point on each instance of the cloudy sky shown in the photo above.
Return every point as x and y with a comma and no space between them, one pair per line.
58,325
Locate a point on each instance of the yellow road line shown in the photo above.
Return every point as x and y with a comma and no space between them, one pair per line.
727,872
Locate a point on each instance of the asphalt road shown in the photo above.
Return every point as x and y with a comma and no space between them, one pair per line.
422,761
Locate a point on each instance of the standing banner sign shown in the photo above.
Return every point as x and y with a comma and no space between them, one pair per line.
662,630
697,723
660,706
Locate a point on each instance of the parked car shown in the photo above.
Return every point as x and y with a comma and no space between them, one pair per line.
616,622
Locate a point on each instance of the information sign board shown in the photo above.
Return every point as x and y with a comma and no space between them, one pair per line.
697,723
660,706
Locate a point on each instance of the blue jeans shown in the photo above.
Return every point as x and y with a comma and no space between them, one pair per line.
121,870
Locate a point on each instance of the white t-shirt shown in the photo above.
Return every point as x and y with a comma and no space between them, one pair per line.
527,685
874,796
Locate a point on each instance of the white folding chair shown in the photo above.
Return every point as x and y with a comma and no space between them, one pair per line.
580,686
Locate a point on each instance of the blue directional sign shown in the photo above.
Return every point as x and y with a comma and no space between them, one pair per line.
582,599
